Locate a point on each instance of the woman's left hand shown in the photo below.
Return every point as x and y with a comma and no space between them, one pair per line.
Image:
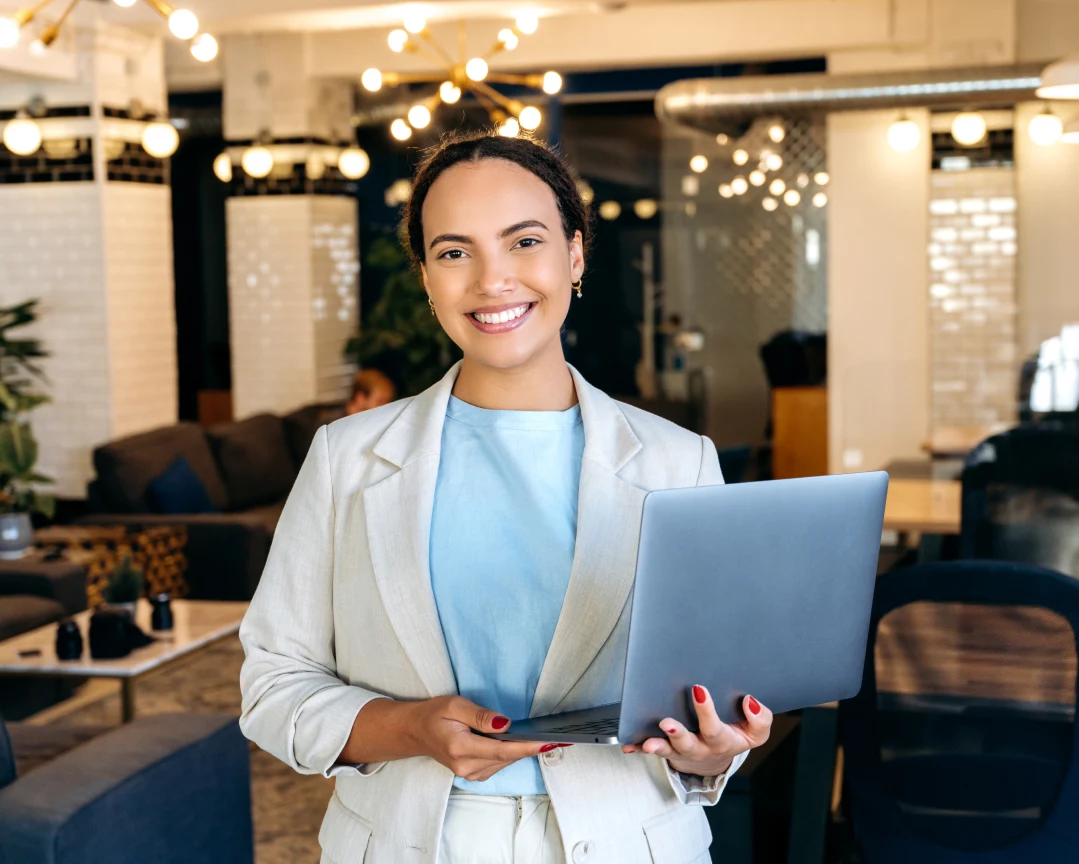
710,751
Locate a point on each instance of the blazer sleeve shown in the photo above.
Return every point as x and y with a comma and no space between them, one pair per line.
294,705
710,474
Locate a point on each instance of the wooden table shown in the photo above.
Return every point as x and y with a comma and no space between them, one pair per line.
197,623
958,441
926,506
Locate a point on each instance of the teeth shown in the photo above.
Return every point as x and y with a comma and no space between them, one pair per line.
500,317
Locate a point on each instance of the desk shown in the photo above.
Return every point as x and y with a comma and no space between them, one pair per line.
923,505
958,441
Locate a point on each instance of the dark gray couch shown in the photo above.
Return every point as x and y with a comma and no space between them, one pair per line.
33,594
171,789
247,468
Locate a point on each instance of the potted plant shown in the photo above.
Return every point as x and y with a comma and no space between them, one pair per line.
18,448
125,586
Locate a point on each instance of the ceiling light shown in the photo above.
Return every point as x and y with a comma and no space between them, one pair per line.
969,128
821,178
397,40
449,92
770,204
476,69
552,82
757,178
610,210
371,80
792,198
698,163
820,199
223,167
204,48
414,22
509,128
353,162
1045,129
1071,132
126,4
530,117
183,23
508,38
527,22
419,116
38,48
257,161
587,193
773,162
904,135
9,32
645,208
723,140
777,133
777,187
726,190
740,157
1060,80
400,130
160,139
739,185
22,136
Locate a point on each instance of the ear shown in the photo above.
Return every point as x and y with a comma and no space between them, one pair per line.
423,276
576,256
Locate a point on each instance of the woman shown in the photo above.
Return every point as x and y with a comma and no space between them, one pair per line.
449,561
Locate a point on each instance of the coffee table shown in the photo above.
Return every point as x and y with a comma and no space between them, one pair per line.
197,623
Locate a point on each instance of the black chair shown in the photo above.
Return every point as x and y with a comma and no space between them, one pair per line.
733,462
960,746
1021,497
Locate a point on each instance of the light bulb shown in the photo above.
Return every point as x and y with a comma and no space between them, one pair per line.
9,32
1046,129
160,139
22,136
353,162
257,161
740,157
397,40
510,128
449,92
38,48
204,48
552,82
400,130
904,136
126,4
739,186
315,167
530,117
770,204
777,187
527,23
821,178
698,163
757,178
645,208
414,22
371,80
223,167
723,140
968,128
773,162
725,190
587,193
419,116
183,23
508,38
820,199
610,210
476,69
777,133
803,180
793,198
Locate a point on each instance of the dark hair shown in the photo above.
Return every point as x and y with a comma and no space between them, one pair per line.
534,156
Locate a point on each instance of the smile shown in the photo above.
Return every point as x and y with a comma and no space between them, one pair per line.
501,320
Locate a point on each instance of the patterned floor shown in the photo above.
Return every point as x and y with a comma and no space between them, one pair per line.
288,807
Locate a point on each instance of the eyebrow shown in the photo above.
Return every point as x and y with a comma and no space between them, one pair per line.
505,232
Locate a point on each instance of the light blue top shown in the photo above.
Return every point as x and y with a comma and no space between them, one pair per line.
502,535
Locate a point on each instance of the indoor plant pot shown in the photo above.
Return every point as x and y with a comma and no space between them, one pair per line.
16,535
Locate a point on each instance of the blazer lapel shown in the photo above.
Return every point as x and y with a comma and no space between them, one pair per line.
398,514
605,554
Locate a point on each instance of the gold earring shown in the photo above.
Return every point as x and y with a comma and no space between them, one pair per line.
431,303
577,287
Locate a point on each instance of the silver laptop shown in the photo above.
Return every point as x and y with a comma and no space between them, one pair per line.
760,588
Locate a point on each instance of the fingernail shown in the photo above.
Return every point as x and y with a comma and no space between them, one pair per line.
754,705
563,745
500,722
699,695
671,731
547,748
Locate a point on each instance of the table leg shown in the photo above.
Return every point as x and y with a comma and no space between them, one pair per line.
814,778
127,699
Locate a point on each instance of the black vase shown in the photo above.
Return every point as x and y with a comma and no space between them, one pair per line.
161,618
68,641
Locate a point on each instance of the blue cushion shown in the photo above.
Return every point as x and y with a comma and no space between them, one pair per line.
7,757
179,490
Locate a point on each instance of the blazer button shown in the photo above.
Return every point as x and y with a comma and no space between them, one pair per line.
552,758
583,852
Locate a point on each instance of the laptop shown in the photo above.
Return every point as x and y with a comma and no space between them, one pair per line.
761,588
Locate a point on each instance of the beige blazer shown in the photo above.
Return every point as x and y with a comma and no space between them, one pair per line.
345,613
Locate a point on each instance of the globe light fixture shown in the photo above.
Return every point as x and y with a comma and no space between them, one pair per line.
397,40
1045,129
204,48
22,136
400,130
610,210
353,162
183,23
160,139
508,38
739,185
371,79
415,23
419,116
552,82
969,128
904,135
476,69
587,193
740,157
645,208
792,198
821,178
726,190
9,32
257,162
530,118
770,204
223,167
509,128
449,92
820,199
777,133
773,162
777,187
757,178
527,23
698,163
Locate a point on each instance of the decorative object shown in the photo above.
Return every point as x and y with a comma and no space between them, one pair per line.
1045,129
399,336
969,128
182,23
904,135
161,617
462,73
126,586
68,640
19,370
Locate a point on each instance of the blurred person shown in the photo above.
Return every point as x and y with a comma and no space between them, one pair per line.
370,389
452,560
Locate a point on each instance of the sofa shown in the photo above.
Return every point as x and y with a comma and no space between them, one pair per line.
245,468
33,594
172,789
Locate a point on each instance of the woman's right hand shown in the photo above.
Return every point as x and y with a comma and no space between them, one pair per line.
441,728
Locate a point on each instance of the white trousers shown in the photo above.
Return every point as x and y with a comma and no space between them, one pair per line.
495,829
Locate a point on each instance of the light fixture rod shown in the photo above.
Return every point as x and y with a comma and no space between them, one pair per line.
462,42
491,93
162,8
434,43
392,79
506,78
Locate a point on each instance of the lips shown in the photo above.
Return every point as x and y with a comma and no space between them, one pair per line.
501,319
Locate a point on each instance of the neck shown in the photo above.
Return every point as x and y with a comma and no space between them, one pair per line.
542,384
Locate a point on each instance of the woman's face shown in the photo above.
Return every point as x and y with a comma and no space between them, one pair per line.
498,267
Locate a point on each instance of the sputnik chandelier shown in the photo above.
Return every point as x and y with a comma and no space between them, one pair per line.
182,23
462,74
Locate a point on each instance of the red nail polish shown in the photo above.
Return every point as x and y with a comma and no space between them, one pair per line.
563,745
500,722
754,705
547,748
699,695
671,731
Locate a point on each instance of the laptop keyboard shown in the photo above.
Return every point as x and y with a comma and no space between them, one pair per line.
594,727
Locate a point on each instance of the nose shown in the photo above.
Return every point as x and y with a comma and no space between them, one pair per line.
495,279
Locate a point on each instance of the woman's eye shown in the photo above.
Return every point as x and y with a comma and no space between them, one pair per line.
528,242
453,254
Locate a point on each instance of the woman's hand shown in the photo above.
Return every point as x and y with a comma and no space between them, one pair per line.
709,752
